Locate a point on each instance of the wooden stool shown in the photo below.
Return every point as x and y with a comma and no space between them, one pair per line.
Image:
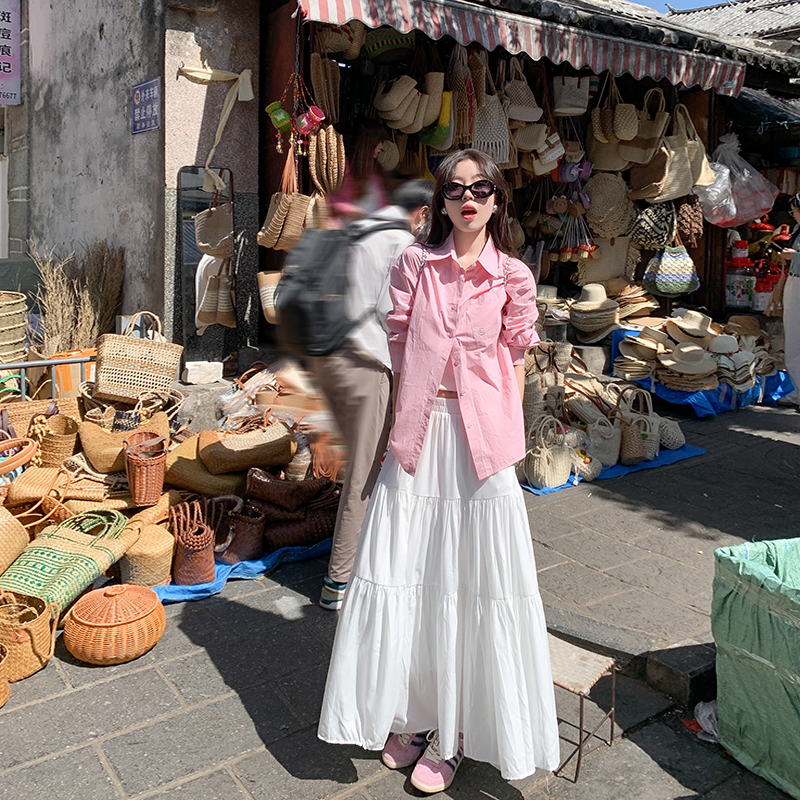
578,670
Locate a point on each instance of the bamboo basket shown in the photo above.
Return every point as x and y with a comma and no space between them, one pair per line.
13,321
149,561
59,434
145,464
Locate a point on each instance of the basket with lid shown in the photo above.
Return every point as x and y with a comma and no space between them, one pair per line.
114,624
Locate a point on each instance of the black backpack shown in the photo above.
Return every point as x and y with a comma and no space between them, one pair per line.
311,296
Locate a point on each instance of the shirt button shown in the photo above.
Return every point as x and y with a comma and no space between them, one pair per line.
481,331
469,425
455,362
452,334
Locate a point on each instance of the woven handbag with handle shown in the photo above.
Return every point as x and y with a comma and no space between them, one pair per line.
245,540
213,230
145,464
518,98
702,174
13,539
194,545
671,272
642,148
317,522
128,365
28,631
548,461
604,442
637,406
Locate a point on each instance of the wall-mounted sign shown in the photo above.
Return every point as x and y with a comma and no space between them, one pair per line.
9,53
145,106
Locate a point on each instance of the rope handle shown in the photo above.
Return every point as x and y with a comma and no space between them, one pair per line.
149,316
603,426
661,102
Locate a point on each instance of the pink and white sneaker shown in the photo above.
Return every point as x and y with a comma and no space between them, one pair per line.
403,749
432,773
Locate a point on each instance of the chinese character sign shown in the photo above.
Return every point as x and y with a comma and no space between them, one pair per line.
9,53
145,106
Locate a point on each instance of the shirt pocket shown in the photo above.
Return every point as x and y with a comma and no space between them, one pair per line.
482,318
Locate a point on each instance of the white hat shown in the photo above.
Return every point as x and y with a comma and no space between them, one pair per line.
545,292
689,359
694,323
724,344
593,298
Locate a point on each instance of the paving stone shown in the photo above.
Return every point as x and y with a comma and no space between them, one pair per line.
698,767
745,786
75,775
579,584
597,550
245,662
298,571
301,767
217,786
82,715
322,622
693,546
188,632
42,684
664,577
546,557
547,525
625,524
640,610
198,739
303,689
254,612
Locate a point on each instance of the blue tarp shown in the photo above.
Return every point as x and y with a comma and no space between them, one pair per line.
661,460
715,401
247,570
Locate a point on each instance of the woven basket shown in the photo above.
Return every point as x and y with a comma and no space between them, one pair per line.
145,465
670,434
21,413
13,321
114,624
149,561
186,471
13,539
235,452
245,536
194,545
106,451
27,631
59,437
127,365
5,692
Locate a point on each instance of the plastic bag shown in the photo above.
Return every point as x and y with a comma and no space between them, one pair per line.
752,194
717,200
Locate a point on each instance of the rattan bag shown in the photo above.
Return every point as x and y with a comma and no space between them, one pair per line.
106,451
28,632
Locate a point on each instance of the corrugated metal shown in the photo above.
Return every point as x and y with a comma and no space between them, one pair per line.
517,34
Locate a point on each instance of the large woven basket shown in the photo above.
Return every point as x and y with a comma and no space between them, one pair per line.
114,624
27,631
58,439
149,561
13,320
145,464
4,690
21,413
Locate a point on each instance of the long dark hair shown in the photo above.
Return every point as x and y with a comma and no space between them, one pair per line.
499,225
363,162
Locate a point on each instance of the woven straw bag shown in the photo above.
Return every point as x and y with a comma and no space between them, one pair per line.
548,461
636,405
13,539
626,121
185,469
57,437
671,272
145,464
570,96
531,137
106,451
317,522
20,414
650,436
518,98
62,561
464,105
213,230
587,467
245,540
631,448
689,219
28,632
654,227
642,148
604,439
194,545
678,180
702,174
127,365
272,445
149,561
671,435
114,625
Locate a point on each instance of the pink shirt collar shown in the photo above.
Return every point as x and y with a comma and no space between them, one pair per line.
491,259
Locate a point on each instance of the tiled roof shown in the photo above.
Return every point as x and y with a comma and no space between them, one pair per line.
756,18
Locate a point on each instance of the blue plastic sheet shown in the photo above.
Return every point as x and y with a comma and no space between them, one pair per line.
247,570
714,401
664,458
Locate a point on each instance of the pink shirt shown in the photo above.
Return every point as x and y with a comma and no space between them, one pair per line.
443,311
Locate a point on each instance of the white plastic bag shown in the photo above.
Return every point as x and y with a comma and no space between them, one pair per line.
716,200
752,194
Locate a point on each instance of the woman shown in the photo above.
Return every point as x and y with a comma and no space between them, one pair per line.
791,307
442,641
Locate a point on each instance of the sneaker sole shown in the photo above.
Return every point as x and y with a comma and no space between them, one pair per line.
432,789
331,605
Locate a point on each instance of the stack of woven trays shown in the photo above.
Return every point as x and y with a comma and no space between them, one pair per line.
13,321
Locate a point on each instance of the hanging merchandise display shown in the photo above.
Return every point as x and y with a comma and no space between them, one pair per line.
671,272
652,127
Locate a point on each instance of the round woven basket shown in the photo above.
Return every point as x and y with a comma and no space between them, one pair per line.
114,624
4,690
27,631
145,466
149,561
58,441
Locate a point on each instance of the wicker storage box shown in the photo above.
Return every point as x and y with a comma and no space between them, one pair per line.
114,624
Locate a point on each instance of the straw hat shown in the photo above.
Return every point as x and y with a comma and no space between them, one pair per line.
389,157
744,325
593,298
591,337
358,33
650,338
545,292
688,359
610,212
724,344
694,324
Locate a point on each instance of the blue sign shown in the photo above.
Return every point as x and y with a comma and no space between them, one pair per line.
146,107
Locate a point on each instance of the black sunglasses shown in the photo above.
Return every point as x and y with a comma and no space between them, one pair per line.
480,190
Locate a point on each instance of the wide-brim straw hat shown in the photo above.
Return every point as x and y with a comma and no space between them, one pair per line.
650,337
744,325
688,359
679,335
682,383
630,348
695,324
724,344
593,298
645,322
590,337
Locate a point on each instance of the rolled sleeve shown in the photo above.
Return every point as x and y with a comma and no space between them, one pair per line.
402,287
520,312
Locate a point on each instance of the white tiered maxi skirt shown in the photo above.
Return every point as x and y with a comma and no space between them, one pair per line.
442,624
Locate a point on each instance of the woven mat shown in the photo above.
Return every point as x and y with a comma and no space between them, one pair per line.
574,668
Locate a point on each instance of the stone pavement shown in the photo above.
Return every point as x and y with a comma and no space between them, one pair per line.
225,707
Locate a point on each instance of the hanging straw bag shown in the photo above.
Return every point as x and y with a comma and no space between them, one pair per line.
145,464
548,461
128,365
702,174
213,228
194,545
642,148
267,281
28,632
679,179
287,211
604,442
491,135
671,272
626,117
464,104
518,98
570,96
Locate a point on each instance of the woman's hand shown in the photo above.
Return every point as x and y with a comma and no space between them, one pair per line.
787,253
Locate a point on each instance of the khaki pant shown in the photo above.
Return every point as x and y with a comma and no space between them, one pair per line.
359,394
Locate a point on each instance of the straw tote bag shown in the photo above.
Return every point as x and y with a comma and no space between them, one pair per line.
287,211
570,96
269,445
548,461
671,272
28,628
679,179
213,228
631,447
491,135
194,545
644,146
518,98
702,174
186,470
463,104
13,539
637,406
128,365
604,442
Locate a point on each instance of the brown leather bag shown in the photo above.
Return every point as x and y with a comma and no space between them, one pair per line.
318,522
288,494
245,536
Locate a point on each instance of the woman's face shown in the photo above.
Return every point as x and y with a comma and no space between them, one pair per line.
796,214
469,214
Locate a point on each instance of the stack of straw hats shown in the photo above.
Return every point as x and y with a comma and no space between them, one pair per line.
638,354
692,328
633,300
593,315
687,368
735,366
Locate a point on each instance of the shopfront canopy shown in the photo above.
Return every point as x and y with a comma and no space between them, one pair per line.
466,22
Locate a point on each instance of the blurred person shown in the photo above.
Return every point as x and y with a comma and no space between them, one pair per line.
791,308
441,650
356,379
